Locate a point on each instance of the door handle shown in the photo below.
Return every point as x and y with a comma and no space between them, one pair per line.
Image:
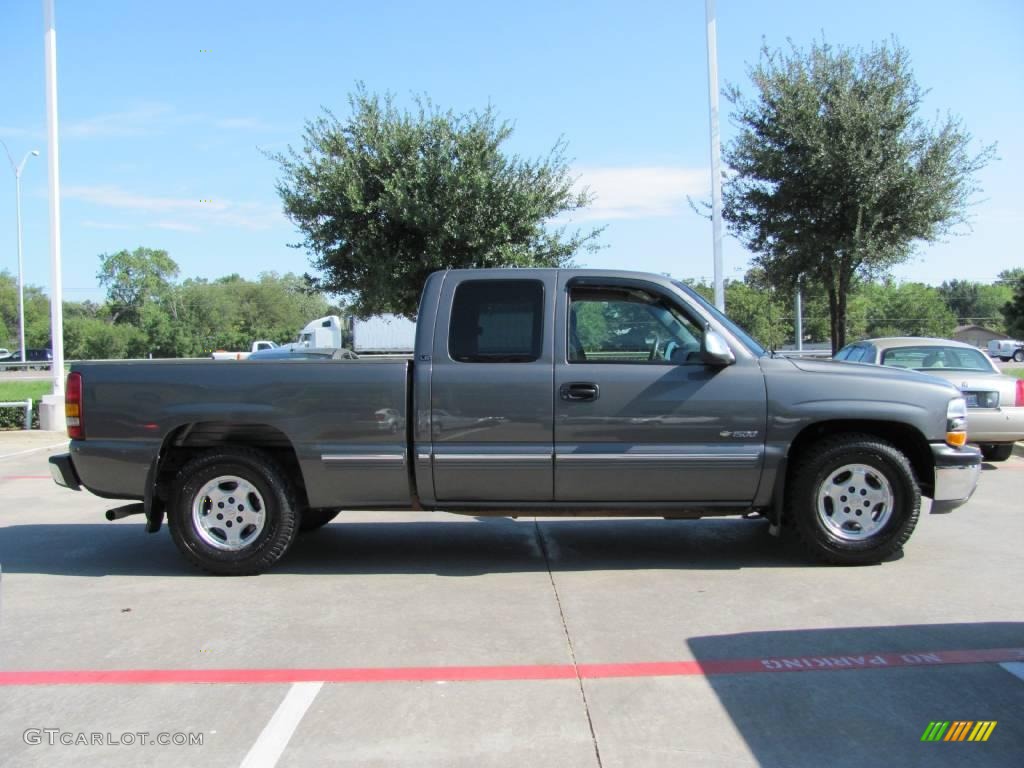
579,391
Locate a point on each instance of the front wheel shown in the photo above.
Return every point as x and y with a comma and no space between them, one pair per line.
852,500
1018,356
234,512
1000,452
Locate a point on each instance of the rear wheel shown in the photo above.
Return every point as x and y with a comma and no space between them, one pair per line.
1000,452
234,512
852,500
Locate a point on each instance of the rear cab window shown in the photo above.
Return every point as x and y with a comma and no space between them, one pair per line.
497,321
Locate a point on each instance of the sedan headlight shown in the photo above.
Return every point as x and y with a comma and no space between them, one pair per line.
956,422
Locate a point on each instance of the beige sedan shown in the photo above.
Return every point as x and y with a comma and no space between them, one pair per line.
995,402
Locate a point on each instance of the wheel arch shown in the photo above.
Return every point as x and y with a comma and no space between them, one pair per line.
905,438
189,440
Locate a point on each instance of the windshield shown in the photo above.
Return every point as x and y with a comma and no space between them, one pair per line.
926,358
738,332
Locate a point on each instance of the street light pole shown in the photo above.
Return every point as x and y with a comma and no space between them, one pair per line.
21,264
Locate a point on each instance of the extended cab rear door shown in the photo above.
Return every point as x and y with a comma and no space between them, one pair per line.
491,409
638,416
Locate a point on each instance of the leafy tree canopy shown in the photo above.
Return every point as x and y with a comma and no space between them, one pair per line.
835,176
387,196
1013,310
133,278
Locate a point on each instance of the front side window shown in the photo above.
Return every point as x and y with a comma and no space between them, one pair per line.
628,325
497,321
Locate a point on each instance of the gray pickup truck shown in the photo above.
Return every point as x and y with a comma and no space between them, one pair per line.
531,392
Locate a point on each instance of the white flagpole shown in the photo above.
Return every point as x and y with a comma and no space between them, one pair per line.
716,153
53,163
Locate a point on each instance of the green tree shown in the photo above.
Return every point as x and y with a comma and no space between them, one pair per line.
93,338
135,278
388,196
835,176
963,298
1010,276
906,309
764,314
1013,310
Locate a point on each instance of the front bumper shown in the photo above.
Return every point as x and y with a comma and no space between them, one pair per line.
956,476
63,472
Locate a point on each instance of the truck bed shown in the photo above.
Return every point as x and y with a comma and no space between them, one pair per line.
346,420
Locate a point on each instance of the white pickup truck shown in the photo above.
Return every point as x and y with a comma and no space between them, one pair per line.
257,346
1007,349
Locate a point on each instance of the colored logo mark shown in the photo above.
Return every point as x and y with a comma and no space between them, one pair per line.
958,730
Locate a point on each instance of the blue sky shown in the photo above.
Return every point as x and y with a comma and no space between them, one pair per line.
151,124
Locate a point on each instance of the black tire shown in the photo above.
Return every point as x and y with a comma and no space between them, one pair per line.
1000,452
274,495
1004,359
312,519
1018,356
819,465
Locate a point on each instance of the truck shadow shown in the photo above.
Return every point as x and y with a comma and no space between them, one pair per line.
447,545
857,696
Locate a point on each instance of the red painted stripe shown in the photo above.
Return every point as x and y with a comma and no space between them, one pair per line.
832,663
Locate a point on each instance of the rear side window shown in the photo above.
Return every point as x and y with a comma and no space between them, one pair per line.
497,321
855,355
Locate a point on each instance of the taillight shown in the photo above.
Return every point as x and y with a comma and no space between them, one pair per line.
1019,401
73,407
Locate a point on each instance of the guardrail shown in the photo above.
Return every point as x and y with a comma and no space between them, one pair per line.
27,405
17,365
818,353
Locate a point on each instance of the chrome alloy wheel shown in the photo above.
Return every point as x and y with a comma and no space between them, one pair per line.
228,513
855,502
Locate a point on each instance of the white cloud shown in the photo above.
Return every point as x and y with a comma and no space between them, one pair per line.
133,122
186,214
176,226
149,118
640,192
9,131
92,224
242,124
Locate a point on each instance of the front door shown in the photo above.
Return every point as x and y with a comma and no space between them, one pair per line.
638,415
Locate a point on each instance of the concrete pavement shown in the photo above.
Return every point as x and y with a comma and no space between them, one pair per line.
389,591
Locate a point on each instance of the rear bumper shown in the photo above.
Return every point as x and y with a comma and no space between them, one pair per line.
63,472
996,425
956,476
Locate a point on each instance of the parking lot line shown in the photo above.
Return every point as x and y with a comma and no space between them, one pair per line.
1015,668
33,450
707,668
278,731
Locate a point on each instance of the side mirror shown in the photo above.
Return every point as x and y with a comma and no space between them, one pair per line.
716,350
